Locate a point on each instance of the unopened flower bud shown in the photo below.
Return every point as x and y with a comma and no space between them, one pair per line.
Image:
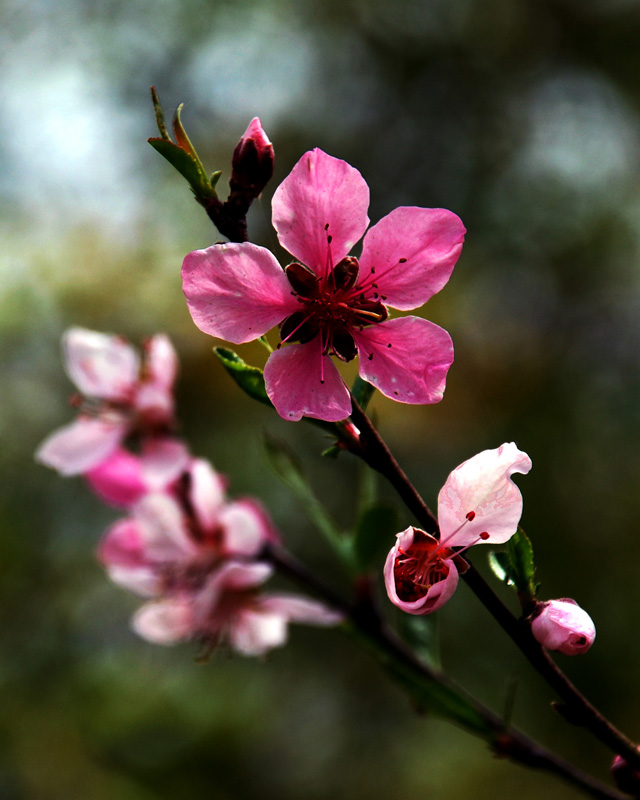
626,778
252,162
562,625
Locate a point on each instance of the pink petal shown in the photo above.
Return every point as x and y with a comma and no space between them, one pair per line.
301,382
123,545
154,404
245,527
407,359
163,461
480,497
413,251
163,530
206,493
100,365
118,479
236,291
320,191
143,581
562,625
300,609
254,632
434,598
164,622
161,361
82,445
238,575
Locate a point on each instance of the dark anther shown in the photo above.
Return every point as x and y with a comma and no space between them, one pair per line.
345,273
402,261
344,345
297,328
303,280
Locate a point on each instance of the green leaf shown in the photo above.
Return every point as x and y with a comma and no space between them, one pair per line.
374,535
250,379
363,392
181,135
190,168
159,115
286,465
515,566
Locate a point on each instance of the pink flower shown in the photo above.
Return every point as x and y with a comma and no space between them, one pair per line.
479,503
120,396
252,162
562,625
171,543
229,608
330,303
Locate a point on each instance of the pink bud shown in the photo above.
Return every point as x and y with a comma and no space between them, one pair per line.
626,778
252,162
562,625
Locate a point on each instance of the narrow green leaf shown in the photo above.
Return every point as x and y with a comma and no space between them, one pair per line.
159,115
215,177
181,135
515,565
187,166
286,465
374,535
250,379
363,392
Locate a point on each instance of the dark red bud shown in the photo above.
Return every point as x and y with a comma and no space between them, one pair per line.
252,162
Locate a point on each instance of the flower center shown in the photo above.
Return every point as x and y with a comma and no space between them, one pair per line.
421,566
333,306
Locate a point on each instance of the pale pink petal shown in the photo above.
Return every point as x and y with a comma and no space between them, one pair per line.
480,497
163,530
82,445
123,545
238,575
154,404
434,598
246,529
161,361
413,252
301,382
407,359
206,493
100,365
236,292
562,625
322,196
119,479
300,609
163,461
143,581
164,622
254,632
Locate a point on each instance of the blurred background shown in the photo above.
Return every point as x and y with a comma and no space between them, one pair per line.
523,118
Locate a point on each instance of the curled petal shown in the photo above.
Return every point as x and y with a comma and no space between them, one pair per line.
413,252
82,445
302,382
236,291
407,359
479,497
322,196
100,365
165,622
433,597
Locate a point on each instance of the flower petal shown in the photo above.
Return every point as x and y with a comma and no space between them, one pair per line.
435,596
236,291
161,361
322,196
562,625
246,528
300,609
253,632
164,622
82,445
163,530
413,252
407,359
301,382
122,545
480,497
119,479
100,365
206,493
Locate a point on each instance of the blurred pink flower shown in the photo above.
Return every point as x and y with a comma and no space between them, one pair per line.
562,625
479,503
171,543
120,396
229,609
331,303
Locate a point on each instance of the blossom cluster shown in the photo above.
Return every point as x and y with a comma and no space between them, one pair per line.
192,553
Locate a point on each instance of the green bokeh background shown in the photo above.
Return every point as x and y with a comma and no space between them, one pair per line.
523,118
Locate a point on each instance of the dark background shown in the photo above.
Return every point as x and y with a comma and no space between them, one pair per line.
521,117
